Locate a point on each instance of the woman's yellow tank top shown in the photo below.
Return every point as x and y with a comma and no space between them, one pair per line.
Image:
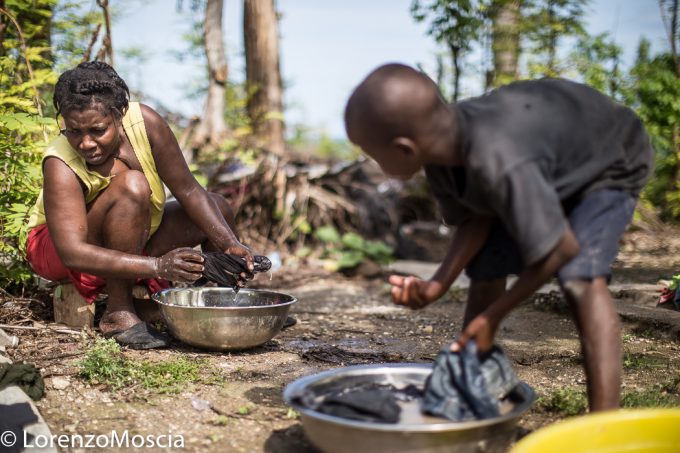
94,183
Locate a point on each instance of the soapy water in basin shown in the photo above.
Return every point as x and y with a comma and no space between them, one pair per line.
368,401
412,414
223,298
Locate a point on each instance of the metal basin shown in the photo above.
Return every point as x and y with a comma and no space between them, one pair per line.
412,434
220,319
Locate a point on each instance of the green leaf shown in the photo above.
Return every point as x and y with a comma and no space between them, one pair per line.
353,241
327,234
379,251
350,258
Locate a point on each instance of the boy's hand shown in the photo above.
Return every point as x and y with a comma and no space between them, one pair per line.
482,329
413,292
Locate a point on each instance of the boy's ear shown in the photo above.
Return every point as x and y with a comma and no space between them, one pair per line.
406,146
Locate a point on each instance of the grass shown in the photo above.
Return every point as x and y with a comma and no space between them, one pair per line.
567,401
105,364
572,401
639,361
243,410
666,394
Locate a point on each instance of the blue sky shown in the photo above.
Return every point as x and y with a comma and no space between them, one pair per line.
327,47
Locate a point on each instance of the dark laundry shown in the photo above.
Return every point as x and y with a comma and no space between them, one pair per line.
224,269
461,387
13,417
24,375
373,402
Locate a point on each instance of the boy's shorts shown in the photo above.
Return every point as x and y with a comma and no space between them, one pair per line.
598,221
42,255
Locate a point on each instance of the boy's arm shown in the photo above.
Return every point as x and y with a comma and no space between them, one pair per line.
467,241
483,327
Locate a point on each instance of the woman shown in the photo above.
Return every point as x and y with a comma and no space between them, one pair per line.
101,218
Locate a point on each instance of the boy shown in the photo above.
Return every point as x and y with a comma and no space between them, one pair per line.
540,179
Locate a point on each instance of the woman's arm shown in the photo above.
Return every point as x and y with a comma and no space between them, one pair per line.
194,199
467,241
67,223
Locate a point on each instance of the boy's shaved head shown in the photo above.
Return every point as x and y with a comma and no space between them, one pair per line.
394,100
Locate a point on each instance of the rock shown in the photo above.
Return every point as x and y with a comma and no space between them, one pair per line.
7,340
60,383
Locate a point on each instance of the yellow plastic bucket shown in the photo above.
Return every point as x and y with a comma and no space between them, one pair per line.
622,431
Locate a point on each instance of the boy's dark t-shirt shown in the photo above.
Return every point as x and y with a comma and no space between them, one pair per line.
531,147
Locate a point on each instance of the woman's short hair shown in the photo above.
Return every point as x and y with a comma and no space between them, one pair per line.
91,82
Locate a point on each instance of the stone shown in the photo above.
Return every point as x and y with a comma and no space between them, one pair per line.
60,383
70,308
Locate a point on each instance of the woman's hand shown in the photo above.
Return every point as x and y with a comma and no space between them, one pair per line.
180,265
482,329
238,249
413,292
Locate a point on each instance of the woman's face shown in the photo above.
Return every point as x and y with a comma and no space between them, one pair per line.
94,134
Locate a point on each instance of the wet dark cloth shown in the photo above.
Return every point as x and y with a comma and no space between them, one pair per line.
13,417
375,403
224,269
24,375
531,149
461,387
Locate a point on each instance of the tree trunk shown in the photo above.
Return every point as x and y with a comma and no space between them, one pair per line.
107,43
552,41
505,43
455,60
263,75
4,21
212,129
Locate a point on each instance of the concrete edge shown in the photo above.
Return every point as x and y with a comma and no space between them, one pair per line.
14,395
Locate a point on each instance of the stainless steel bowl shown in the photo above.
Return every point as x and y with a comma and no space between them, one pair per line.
220,319
428,435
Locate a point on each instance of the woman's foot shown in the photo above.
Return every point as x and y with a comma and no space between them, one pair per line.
117,321
128,330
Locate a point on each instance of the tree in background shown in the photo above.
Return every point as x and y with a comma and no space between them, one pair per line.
597,61
26,71
75,32
547,22
657,90
506,20
457,25
212,129
263,74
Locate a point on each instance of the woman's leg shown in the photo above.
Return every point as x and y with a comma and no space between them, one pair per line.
177,229
119,219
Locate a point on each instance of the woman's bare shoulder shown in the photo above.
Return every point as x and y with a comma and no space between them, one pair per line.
157,128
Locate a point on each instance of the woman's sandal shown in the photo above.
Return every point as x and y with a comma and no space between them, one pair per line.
139,336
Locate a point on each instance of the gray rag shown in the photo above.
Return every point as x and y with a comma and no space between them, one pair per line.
461,387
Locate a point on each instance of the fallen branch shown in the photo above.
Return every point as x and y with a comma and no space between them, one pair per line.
53,329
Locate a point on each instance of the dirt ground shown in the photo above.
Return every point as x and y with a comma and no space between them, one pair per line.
341,321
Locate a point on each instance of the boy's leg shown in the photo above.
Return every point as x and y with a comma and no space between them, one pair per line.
598,222
488,271
600,332
481,294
